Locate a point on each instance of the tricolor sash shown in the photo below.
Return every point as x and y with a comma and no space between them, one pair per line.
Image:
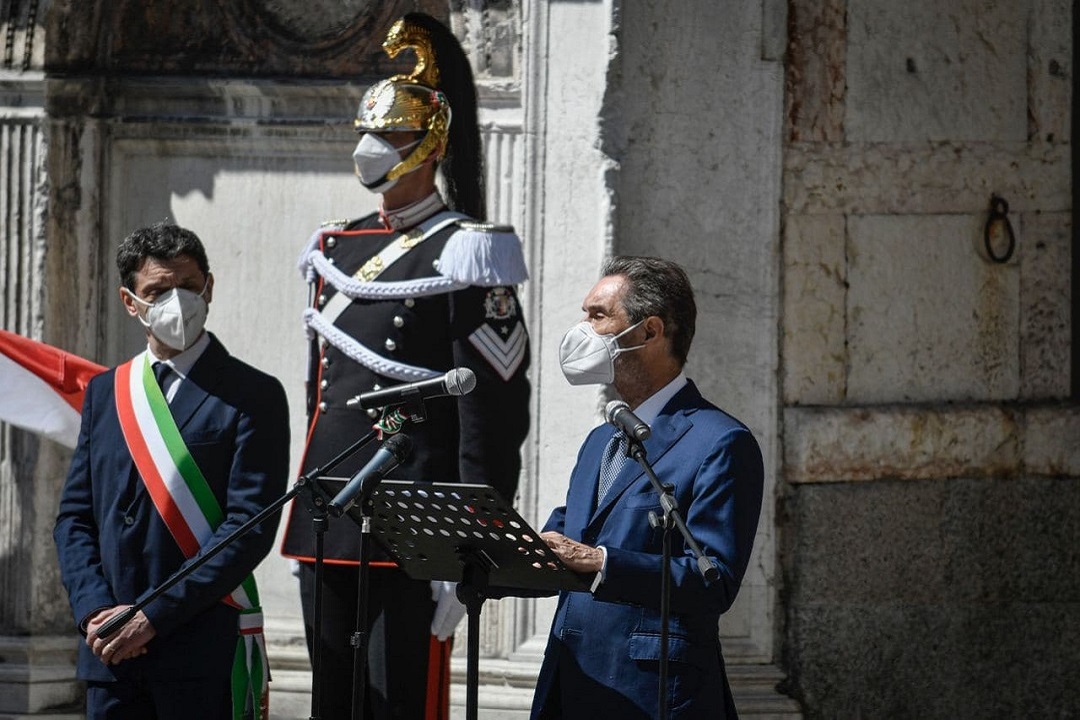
189,509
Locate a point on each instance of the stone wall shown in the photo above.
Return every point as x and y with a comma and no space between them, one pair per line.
930,451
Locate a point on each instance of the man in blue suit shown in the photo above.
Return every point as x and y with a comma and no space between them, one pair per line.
602,658
178,448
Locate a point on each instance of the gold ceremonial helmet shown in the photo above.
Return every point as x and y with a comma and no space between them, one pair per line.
408,103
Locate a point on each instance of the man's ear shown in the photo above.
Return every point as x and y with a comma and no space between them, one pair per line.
209,288
130,305
654,328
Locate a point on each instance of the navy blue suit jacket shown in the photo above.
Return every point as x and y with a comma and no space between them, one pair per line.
602,658
113,545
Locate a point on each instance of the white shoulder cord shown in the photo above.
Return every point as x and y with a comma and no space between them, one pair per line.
361,354
376,290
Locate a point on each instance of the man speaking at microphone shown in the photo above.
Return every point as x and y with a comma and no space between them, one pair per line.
602,657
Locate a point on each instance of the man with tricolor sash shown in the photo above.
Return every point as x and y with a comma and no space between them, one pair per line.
178,447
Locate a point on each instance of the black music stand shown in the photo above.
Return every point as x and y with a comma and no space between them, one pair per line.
469,534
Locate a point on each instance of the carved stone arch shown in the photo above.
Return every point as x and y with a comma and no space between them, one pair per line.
339,36
251,38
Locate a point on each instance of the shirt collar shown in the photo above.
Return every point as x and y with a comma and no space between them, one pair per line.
412,214
647,411
182,363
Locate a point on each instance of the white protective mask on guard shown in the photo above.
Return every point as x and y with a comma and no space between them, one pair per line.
587,358
176,318
374,157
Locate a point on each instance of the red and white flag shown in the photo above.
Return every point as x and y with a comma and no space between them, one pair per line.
42,387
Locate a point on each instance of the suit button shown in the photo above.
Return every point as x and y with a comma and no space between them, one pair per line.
390,345
331,241
409,302
435,263
128,520
324,384
322,406
376,386
372,413
322,300
399,321
325,362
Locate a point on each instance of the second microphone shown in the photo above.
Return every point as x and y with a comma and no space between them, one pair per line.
360,485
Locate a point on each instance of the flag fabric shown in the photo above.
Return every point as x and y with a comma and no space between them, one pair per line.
42,387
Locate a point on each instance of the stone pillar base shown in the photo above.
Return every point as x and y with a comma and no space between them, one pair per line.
506,688
37,678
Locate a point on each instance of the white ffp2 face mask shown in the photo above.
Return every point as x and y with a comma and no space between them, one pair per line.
374,157
176,318
587,358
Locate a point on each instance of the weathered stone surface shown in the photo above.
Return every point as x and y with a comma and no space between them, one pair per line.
815,70
1012,541
988,441
1044,248
927,178
928,318
815,320
693,181
872,543
931,71
1052,441
928,547
939,599
935,663
1049,71
706,196
906,442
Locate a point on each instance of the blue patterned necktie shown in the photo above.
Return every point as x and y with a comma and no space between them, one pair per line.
612,461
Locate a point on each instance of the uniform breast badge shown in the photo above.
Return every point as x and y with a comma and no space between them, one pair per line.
501,340
371,269
411,239
500,304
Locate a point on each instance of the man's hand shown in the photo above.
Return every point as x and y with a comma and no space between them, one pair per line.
127,642
576,556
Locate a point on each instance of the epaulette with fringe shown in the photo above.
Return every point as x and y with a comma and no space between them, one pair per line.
484,254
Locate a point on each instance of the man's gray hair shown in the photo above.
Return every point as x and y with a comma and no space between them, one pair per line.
658,287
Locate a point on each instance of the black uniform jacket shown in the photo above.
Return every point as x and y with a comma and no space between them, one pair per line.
474,438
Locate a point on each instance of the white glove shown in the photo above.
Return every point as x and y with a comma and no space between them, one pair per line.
448,609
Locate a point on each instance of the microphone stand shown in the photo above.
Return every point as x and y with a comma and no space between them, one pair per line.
671,519
414,411
317,502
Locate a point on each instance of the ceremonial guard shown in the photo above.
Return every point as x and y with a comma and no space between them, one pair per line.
402,295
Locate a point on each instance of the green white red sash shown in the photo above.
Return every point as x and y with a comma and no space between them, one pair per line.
191,512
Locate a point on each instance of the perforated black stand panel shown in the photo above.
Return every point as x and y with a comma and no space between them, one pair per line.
434,530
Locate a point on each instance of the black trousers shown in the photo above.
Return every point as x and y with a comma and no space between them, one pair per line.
399,625
140,699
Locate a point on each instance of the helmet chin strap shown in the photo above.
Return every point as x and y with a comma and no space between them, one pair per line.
433,141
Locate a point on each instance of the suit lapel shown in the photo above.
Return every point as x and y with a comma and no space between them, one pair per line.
581,499
666,431
670,425
195,389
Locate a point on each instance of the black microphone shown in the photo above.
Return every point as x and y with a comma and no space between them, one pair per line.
386,458
619,414
459,381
